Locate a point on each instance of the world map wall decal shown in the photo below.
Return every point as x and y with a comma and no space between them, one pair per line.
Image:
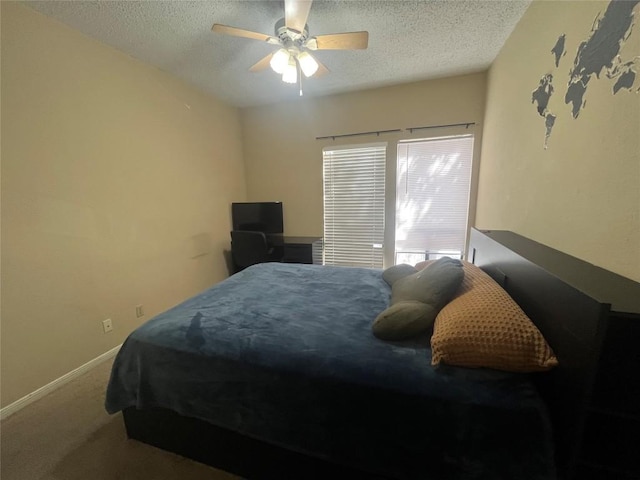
599,53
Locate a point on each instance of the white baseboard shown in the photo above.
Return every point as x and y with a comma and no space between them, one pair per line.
57,383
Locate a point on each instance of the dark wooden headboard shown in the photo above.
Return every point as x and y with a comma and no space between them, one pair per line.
570,320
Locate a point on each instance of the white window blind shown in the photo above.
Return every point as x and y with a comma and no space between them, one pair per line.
354,205
432,197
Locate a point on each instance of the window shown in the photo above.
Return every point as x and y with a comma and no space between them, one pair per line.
354,205
432,198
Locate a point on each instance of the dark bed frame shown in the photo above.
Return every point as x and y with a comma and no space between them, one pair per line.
570,301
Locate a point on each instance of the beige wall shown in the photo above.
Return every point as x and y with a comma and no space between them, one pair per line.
284,160
116,184
582,194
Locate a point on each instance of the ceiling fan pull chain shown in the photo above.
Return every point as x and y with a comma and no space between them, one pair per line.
299,76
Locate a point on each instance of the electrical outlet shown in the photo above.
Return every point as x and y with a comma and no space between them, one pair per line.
139,311
106,325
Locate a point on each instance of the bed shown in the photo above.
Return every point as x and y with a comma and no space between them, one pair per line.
274,373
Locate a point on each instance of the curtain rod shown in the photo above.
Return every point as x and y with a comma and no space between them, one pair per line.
466,125
377,133
410,130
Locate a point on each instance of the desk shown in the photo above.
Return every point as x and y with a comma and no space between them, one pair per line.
302,250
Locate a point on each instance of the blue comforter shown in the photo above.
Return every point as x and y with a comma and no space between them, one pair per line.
284,353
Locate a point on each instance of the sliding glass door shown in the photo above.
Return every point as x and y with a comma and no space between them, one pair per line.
433,180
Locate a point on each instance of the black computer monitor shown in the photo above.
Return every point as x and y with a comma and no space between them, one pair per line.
258,216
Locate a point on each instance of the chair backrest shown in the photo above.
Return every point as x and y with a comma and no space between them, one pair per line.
248,248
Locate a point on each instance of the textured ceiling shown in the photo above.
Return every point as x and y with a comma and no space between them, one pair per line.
408,40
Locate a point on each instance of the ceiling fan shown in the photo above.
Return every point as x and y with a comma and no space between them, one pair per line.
292,36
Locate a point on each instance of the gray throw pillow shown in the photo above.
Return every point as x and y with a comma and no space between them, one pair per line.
392,274
417,298
403,320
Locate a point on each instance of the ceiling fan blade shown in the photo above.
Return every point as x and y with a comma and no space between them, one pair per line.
262,64
339,41
322,70
239,32
296,13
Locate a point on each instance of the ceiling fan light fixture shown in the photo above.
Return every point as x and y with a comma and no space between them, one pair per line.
290,74
280,61
308,64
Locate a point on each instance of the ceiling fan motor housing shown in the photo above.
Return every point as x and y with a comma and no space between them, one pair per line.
289,37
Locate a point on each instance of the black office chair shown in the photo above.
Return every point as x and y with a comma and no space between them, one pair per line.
249,248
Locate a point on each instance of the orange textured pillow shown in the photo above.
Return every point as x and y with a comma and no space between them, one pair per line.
484,327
